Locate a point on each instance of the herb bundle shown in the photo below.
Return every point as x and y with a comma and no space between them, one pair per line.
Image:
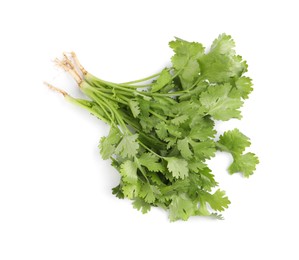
162,127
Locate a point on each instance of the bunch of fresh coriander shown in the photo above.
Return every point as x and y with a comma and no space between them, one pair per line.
162,127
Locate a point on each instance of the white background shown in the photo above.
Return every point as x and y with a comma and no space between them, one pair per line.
55,190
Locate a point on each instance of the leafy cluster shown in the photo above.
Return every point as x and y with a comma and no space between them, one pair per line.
163,132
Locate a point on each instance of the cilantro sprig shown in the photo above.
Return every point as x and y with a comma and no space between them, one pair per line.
162,128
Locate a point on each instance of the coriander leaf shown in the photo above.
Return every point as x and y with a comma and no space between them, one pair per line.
183,146
207,178
134,106
118,192
171,141
161,130
173,130
185,60
203,150
106,148
217,201
131,190
107,144
179,119
163,79
144,107
202,129
224,45
128,171
128,146
221,63
181,207
178,167
141,205
155,178
233,141
148,123
245,164
147,192
150,161
243,87
196,165
217,103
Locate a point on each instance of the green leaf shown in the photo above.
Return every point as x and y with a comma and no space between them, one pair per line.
233,141
118,192
155,178
185,60
163,79
217,103
161,130
128,146
147,192
183,146
131,190
171,142
141,205
128,171
178,167
207,178
181,207
173,130
148,123
224,45
245,164
202,129
221,63
204,150
179,119
107,144
134,106
243,87
218,201
150,161
196,165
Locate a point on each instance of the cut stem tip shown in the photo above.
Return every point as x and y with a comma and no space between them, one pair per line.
76,60
56,89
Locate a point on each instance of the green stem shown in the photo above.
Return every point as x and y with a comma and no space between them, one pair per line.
135,86
119,100
150,150
86,107
118,116
100,82
100,102
140,168
140,80
171,94
157,115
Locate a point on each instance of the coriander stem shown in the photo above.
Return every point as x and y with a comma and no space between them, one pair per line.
117,115
150,150
140,80
171,94
105,95
135,86
157,115
98,101
140,168
89,109
96,81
